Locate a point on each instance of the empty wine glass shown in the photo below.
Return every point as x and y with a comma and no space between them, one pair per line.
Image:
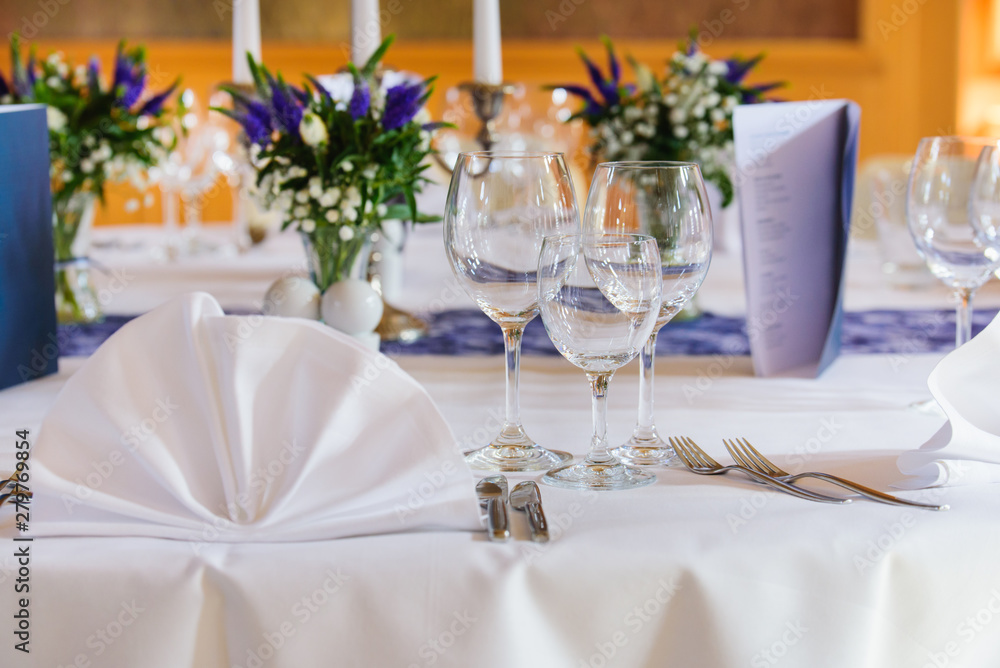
499,208
600,298
666,200
942,215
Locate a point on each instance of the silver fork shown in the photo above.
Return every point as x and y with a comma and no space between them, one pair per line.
750,457
698,461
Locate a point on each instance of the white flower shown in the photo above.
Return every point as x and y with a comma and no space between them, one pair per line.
425,140
332,215
296,172
369,172
300,212
381,210
351,214
422,117
729,103
86,165
55,119
312,130
346,166
54,58
632,114
652,111
353,196
718,68
702,128
677,116
670,100
67,176
627,138
645,130
680,132
711,82
346,233
315,191
308,226
302,197
80,75
53,82
717,115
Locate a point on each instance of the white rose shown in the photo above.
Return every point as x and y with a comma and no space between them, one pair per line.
381,210
718,68
307,226
312,130
718,115
315,191
300,212
332,215
677,116
680,132
302,197
351,214
346,233
346,166
87,166
369,172
55,118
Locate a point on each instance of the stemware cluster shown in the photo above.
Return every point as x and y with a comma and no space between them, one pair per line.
603,289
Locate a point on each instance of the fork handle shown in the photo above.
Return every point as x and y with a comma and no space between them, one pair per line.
790,489
866,492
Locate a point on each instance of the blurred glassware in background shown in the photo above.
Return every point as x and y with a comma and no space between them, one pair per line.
880,210
202,166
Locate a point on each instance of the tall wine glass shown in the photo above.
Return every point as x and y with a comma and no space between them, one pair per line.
499,208
600,298
666,200
941,213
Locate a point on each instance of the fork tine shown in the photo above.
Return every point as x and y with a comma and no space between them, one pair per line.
702,455
760,458
682,452
738,456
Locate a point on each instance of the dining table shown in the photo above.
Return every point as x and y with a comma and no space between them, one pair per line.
690,571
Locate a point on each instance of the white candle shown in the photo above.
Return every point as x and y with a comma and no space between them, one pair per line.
366,31
246,37
487,62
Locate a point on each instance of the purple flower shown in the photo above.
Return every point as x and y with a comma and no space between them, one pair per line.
592,108
130,79
94,74
608,88
402,103
286,108
755,94
256,121
154,104
738,68
361,99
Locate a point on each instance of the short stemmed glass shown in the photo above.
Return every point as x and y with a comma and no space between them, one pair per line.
942,212
499,208
666,200
600,298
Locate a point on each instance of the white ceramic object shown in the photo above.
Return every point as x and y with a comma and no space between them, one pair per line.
352,306
293,297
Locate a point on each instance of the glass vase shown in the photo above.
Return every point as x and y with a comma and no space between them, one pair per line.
331,258
76,299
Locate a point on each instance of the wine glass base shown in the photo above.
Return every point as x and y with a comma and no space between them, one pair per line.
643,454
609,476
512,458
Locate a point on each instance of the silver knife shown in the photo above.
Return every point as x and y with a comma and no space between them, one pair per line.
526,497
492,492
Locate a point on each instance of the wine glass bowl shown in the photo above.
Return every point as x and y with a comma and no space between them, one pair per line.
950,204
599,297
499,208
667,201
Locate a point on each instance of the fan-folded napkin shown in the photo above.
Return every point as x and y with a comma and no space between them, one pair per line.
193,425
966,450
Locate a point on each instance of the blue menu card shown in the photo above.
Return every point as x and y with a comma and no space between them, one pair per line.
28,344
795,164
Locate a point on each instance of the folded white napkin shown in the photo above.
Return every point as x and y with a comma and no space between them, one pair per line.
966,450
194,425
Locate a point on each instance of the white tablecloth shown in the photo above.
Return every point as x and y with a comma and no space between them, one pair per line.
693,571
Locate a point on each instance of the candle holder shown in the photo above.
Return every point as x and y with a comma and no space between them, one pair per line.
487,102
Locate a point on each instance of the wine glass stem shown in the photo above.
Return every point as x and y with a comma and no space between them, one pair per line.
963,316
644,425
512,353
599,445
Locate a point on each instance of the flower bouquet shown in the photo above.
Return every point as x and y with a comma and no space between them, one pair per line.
337,168
97,133
685,115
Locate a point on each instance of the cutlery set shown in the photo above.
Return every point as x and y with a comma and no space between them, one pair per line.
525,497
752,463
